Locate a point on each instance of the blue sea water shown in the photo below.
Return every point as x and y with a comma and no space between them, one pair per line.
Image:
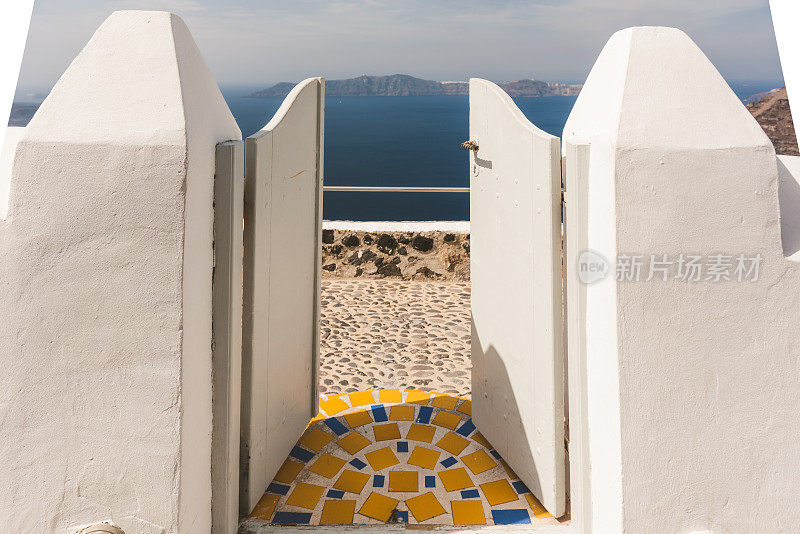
405,141
400,141
397,141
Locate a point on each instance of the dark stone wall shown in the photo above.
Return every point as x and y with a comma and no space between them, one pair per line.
435,255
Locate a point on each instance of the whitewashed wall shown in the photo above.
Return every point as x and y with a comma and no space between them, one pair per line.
693,388
7,151
106,268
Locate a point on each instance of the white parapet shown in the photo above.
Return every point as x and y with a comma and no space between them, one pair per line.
106,268
692,386
7,151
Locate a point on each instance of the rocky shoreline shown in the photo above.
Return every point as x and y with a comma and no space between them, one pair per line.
424,255
775,117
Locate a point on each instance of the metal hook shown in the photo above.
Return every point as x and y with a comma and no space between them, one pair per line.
470,145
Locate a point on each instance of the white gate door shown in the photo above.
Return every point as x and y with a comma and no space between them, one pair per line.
283,227
517,345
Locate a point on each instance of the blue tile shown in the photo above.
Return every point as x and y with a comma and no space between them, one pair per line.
377,481
301,454
470,494
280,489
447,462
424,416
402,517
336,425
520,487
335,494
379,413
430,481
467,428
495,454
402,446
511,517
291,518
358,464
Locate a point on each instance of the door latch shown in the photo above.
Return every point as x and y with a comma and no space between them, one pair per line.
470,145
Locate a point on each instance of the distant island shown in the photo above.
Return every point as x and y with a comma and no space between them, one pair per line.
405,85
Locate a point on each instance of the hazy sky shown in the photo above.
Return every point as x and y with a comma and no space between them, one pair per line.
264,41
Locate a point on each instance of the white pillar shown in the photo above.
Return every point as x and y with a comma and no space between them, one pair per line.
693,387
106,273
785,18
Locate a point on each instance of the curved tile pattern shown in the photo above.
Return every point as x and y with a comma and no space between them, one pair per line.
396,456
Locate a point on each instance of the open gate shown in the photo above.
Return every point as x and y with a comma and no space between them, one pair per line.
517,345
282,236
516,272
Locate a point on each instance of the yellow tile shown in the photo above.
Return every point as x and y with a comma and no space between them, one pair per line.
468,513
336,512
315,439
353,442
361,398
358,418
403,481
352,481
418,397
539,511
424,458
510,472
453,443
478,462
499,492
419,432
386,432
265,506
327,465
382,458
401,413
424,506
466,407
478,437
390,396
445,401
455,479
378,507
446,419
305,495
333,405
288,471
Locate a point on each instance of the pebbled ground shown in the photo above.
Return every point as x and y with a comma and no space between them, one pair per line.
395,334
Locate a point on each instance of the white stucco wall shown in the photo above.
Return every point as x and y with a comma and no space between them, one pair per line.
7,151
693,388
789,195
106,261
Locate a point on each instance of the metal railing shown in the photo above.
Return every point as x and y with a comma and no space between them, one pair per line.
390,189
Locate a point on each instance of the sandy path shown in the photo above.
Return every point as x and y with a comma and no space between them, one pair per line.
382,333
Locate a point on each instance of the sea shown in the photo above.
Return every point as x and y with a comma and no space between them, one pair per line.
404,141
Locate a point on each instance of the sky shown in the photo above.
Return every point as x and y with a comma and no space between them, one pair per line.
261,42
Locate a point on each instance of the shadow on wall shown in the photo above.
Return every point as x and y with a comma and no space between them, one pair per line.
491,358
789,200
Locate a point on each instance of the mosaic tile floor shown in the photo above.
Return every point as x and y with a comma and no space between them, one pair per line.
396,456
